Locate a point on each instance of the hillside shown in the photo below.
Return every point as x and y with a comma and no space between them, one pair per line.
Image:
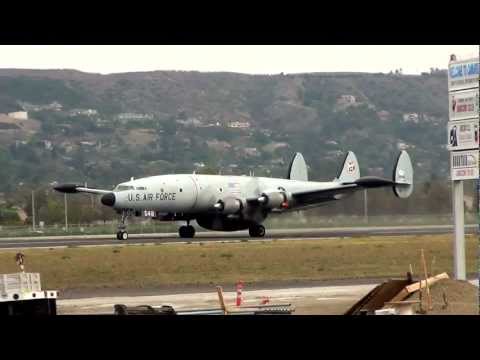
103,129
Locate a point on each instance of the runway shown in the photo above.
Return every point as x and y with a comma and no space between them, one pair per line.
285,234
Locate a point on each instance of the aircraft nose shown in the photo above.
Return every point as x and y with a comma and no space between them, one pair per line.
108,199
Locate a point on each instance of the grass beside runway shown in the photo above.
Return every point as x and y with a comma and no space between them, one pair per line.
153,266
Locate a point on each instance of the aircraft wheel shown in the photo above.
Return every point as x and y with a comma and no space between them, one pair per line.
261,231
186,231
182,231
122,235
256,231
191,231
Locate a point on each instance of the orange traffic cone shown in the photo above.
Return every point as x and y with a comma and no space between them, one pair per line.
239,293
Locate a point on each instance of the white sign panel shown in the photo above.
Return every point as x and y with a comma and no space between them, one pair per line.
463,105
463,135
463,74
464,164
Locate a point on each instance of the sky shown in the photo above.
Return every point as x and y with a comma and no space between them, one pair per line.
250,59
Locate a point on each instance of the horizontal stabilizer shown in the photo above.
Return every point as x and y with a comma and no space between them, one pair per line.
298,168
373,182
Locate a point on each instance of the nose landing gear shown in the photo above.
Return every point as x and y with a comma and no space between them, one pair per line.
122,233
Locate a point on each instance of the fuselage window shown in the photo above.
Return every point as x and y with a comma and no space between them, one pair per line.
124,188
180,189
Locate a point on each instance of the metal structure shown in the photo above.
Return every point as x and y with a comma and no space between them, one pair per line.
463,137
33,210
22,294
274,309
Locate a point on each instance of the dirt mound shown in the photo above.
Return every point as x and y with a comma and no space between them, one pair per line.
461,296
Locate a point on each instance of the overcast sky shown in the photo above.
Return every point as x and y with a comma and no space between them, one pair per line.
257,59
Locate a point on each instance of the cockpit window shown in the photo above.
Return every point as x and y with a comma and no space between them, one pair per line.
124,187
141,188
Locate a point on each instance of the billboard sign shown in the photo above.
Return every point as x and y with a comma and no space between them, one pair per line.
463,74
463,135
464,164
463,105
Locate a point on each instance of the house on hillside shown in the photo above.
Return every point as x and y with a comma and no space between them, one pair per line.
251,151
84,112
383,115
134,116
218,145
346,100
239,125
19,115
411,117
190,122
88,143
47,144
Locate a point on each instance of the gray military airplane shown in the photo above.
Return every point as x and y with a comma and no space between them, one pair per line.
231,203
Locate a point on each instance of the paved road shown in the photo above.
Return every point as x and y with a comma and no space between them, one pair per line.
294,234
305,300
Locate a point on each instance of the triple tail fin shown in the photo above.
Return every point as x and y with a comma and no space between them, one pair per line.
350,171
298,168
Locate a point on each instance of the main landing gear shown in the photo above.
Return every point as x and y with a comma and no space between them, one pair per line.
186,231
122,233
256,230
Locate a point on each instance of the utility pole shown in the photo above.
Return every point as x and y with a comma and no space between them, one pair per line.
33,210
365,206
459,268
462,130
66,212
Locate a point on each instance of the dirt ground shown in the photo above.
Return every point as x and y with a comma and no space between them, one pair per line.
461,297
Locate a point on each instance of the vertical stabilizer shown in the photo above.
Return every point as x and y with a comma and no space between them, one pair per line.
350,171
298,168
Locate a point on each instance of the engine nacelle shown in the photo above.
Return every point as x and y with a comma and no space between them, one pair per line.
229,205
275,199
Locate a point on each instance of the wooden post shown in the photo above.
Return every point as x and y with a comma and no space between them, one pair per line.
433,266
429,297
221,300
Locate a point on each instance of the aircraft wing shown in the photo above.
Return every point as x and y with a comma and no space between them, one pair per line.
75,188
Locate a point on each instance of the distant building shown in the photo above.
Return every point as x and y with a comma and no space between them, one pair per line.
134,116
403,146
238,124
19,115
190,122
48,145
85,112
346,100
54,106
383,115
251,151
218,145
412,117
